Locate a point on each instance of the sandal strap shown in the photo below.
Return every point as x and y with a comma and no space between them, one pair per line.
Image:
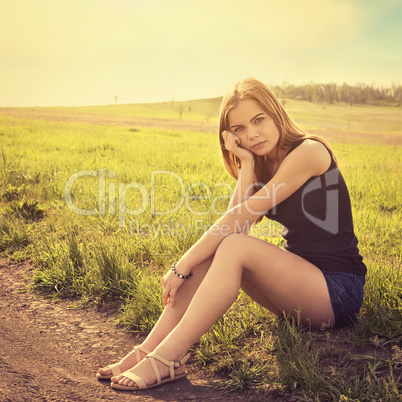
115,369
171,364
145,350
135,378
137,350
156,371
179,363
116,366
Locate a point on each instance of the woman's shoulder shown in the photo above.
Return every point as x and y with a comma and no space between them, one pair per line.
313,145
312,154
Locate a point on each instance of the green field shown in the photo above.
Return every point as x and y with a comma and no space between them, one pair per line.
147,180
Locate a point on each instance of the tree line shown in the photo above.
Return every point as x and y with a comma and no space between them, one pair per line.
332,93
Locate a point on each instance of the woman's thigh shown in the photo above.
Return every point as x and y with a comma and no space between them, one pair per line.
251,290
279,280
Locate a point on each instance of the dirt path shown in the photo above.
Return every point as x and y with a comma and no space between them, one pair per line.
51,353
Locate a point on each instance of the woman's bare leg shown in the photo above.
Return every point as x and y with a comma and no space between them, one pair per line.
169,317
288,281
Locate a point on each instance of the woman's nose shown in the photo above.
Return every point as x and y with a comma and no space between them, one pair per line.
252,133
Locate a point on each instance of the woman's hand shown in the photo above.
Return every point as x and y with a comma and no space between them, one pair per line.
232,144
171,284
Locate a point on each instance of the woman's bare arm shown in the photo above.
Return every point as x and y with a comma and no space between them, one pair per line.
245,185
309,159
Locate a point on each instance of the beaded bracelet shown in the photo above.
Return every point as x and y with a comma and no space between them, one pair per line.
180,275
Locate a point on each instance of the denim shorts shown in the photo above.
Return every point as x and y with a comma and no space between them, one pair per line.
346,293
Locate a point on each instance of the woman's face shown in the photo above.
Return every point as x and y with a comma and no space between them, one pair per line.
255,128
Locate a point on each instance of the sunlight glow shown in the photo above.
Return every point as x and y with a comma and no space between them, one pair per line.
85,51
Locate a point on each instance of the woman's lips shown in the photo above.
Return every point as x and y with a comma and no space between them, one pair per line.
258,145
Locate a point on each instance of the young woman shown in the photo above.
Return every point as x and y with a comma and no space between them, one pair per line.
288,176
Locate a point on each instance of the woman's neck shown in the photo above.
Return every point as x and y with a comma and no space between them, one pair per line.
275,159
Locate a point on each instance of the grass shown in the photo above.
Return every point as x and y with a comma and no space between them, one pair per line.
150,193
340,123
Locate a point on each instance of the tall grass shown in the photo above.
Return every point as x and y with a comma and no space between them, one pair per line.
110,254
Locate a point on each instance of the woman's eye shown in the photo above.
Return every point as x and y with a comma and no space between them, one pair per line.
237,129
260,119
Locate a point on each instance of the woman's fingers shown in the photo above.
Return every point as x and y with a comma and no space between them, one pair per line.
165,296
233,145
232,142
168,297
172,297
228,137
171,284
225,135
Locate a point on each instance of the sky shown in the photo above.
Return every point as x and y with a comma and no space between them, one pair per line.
86,52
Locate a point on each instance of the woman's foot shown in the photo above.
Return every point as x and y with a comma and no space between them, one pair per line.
128,362
146,373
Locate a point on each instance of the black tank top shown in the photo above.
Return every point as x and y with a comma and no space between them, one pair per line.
318,222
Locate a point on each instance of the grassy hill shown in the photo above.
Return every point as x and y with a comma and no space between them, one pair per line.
337,122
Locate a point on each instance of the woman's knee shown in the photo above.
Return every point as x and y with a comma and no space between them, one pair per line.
233,245
233,239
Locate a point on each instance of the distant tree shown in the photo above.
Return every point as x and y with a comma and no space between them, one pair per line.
397,93
331,93
181,110
115,99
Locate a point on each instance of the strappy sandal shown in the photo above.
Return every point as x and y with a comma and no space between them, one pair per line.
159,381
116,366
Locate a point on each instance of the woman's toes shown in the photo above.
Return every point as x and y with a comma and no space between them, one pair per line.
116,379
128,382
123,381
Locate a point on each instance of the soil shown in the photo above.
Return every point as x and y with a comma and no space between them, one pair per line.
50,352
